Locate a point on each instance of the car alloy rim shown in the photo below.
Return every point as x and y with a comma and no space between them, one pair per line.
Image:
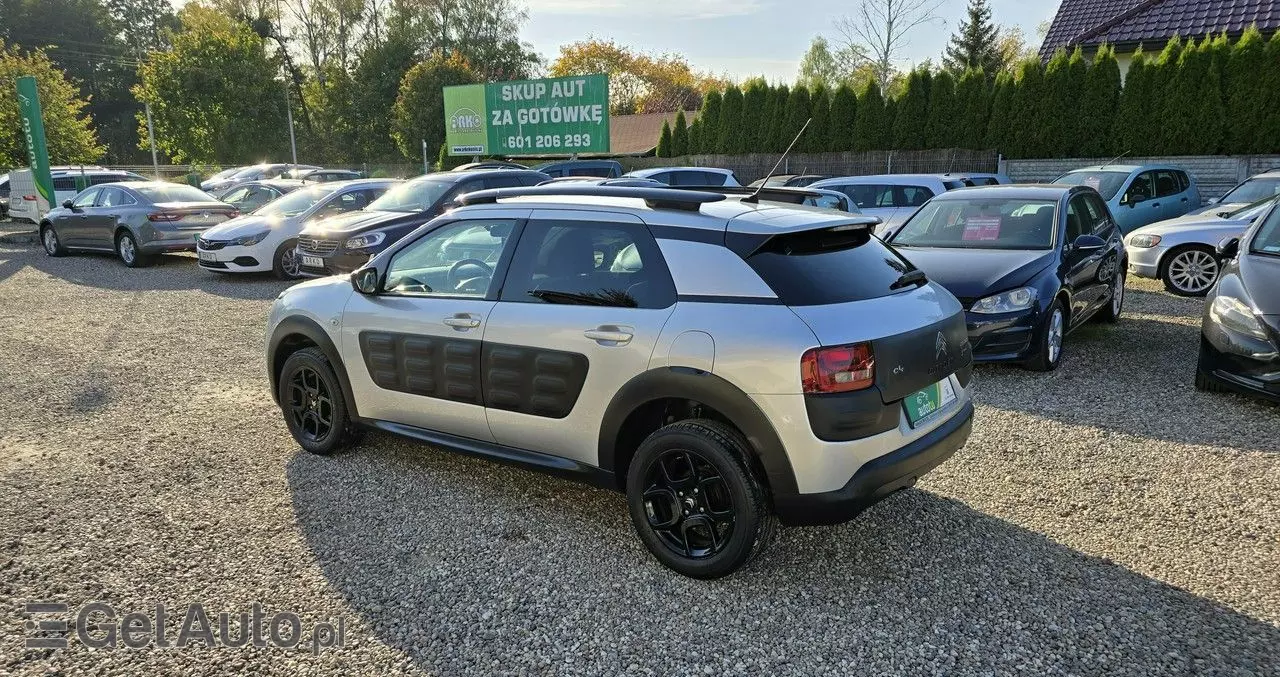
1054,337
1193,271
1117,295
50,240
688,504
310,405
289,262
126,249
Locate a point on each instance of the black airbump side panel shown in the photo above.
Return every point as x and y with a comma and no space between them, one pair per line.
444,368
532,380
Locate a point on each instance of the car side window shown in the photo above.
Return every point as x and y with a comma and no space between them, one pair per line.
86,199
455,259
553,173
508,181
1167,184
585,263
1078,219
1184,181
1142,189
911,196
114,197
64,183
662,177
237,195
1099,215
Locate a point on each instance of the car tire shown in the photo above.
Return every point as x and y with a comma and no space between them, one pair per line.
128,251
1049,339
314,407
285,264
1115,306
1178,272
699,465
52,245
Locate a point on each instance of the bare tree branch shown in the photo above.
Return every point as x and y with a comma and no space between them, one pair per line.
877,30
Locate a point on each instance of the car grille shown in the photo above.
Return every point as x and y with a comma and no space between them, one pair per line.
311,245
210,245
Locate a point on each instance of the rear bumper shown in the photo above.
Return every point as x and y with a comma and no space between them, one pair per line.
156,241
879,477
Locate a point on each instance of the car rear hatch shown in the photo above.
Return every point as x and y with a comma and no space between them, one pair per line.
191,215
850,288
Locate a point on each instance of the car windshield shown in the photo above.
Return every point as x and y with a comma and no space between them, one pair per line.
414,196
1252,191
172,192
1250,211
1267,240
249,173
1106,183
981,223
296,202
224,174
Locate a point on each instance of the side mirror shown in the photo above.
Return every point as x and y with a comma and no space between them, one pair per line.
365,280
1088,243
67,204
1229,248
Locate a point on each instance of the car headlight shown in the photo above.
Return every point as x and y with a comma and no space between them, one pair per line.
365,241
1143,241
249,240
1007,302
1236,315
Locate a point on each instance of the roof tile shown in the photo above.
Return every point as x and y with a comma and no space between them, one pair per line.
1093,22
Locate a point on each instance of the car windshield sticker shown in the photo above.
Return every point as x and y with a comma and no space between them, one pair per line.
981,228
1094,182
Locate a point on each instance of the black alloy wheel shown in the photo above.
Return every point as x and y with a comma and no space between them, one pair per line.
694,500
687,504
310,405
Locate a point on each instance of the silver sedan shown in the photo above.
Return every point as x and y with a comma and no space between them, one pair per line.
133,220
1182,252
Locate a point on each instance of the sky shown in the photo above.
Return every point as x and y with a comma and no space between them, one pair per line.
743,38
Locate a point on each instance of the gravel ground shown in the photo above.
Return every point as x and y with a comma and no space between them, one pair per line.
1104,519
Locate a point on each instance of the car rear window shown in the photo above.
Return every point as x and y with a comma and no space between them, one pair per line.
173,192
832,265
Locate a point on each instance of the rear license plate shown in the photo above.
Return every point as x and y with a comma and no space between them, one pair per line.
207,256
924,404
313,262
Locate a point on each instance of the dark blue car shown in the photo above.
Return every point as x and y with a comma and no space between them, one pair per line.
1029,264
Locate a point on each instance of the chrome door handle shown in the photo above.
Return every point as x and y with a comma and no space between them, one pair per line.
609,335
461,322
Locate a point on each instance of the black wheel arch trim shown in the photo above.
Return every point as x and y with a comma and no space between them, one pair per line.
713,391
313,332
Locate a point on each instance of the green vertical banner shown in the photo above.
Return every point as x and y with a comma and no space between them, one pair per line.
33,132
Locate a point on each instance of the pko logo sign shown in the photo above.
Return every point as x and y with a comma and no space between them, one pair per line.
465,120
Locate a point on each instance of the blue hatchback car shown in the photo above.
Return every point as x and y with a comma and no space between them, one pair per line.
1139,195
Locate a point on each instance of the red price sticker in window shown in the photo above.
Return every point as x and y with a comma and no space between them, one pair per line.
981,228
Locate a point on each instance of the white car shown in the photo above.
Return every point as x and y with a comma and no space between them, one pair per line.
687,176
267,239
892,197
1182,252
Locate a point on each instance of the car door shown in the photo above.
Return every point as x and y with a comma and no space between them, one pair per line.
1082,266
101,224
412,351
1171,195
580,311
73,226
1138,203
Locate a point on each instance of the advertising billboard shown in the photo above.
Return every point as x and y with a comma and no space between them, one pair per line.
556,116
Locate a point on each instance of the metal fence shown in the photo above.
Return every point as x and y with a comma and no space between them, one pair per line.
1215,174
757,165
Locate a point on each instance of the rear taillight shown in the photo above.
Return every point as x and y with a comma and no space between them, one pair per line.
29,198
838,369
163,216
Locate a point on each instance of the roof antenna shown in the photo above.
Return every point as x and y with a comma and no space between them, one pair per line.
1104,165
755,197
